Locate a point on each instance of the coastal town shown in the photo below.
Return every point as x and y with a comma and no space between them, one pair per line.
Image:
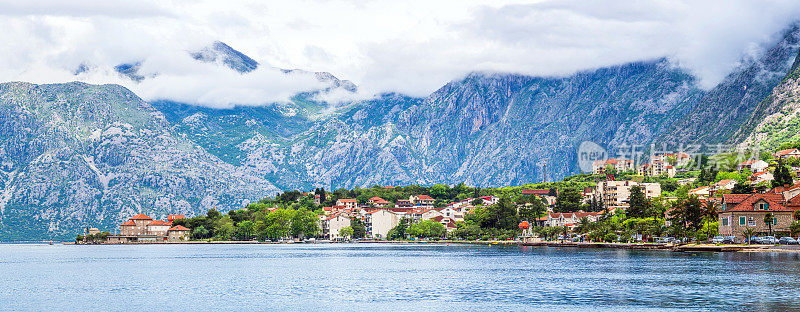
740,205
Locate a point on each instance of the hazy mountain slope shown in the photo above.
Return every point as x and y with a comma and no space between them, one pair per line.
75,154
487,129
777,119
725,108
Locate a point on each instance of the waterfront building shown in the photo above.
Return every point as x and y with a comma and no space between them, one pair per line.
738,212
330,225
380,221
178,233
141,228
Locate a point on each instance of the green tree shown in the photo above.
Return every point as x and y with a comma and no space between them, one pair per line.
359,229
245,230
199,232
467,230
748,234
346,232
687,215
502,215
568,200
439,191
782,175
427,228
213,214
278,224
304,224
794,228
638,203
399,231
709,214
533,211
742,188
768,218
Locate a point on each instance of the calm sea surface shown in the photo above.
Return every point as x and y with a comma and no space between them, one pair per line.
389,277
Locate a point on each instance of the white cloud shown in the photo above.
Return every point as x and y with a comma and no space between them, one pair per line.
412,47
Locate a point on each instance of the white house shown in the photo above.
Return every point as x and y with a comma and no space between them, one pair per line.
347,203
763,176
380,221
331,225
755,165
703,191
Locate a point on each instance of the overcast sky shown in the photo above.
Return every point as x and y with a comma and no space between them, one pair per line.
413,47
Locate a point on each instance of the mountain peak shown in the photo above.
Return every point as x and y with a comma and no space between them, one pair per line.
220,51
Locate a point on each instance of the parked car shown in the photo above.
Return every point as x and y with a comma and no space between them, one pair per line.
665,240
755,239
787,241
768,240
717,240
730,240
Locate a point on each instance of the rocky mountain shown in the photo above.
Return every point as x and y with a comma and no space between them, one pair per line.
486,129
74,154
723,110
777,118
219,51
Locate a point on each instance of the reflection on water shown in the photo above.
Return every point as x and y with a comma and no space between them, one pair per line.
390,277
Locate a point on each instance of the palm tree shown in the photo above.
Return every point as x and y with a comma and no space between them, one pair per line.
584,225
748,233
709,214
768,220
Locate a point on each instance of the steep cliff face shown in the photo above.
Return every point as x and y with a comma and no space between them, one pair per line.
734,103
777,118
75,154
486,129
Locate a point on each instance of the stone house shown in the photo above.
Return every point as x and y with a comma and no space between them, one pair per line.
738,212
178,233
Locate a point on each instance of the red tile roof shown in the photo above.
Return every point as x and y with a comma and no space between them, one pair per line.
141,216
536,192
178,228
128,223
425,197
347,200
734,198
726,181
785,152
793,202
747,204
175,217
378,200
157,222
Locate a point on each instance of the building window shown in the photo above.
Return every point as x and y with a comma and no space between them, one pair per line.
725,222
742,220
774,221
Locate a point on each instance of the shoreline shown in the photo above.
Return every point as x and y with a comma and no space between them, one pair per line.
618,246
